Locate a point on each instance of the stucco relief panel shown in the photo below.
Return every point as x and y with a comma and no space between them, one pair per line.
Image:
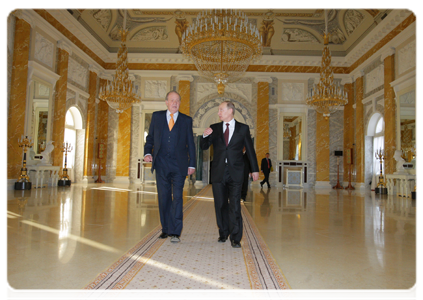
78,73
374,79
155,89
407,57
291,91
44,50
352,19
103,17
155,33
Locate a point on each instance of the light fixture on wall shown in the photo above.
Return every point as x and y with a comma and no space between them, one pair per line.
326,97
119,93
222,43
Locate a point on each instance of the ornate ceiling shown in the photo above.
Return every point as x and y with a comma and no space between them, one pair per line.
294,32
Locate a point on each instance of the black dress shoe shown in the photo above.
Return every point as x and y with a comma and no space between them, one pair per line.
235,244
163,236
222,239
261,184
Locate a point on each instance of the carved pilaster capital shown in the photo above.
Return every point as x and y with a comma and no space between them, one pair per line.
388,52
94,69
61,44
25,15
263,79
189,78
348,80
357,74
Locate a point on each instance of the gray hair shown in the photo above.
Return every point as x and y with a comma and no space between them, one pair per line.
230,105
175,93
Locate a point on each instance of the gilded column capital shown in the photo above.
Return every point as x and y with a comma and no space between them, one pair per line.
189,78
388,52
94,69
263,79
61,44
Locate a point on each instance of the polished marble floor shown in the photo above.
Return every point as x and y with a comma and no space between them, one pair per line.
62,238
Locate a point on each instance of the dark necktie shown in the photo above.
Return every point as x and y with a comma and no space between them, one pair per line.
226,134
268,163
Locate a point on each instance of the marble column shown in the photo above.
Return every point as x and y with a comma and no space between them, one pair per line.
79,154
124,143
390,111
185,91
59,117
102,127
135,141
348,128
17,104
89,159
322,151
359,132
262,132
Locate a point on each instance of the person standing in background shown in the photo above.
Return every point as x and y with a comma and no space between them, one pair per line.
266,165
170,147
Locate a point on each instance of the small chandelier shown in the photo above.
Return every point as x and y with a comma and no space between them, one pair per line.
222,43
286,131
119,93
326,97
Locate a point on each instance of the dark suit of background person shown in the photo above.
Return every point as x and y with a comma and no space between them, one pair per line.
266,164
173,157
247,172
227,172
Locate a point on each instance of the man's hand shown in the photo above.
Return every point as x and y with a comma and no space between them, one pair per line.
148,158
208,131
191,171
255,176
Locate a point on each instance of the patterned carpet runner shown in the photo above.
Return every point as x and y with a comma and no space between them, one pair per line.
198,261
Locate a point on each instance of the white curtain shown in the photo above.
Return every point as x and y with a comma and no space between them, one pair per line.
378,144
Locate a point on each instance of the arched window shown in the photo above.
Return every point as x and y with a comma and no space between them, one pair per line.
70,137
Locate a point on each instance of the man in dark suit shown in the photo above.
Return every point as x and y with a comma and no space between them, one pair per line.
170,147
266,165
228,139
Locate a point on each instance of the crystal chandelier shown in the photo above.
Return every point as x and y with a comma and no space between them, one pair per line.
222,43
326,97
286,131
119,93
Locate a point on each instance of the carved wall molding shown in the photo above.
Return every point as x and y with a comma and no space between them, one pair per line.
77,72
44,50
407,57
374,79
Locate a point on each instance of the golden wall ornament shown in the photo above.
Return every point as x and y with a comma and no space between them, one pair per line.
266,29
327,97
222,43
119,93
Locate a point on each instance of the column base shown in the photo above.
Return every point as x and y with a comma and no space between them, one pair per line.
23,186
62,182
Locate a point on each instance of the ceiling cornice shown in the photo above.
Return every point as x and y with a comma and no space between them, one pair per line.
267,63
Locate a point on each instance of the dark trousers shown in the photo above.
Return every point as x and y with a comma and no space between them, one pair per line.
227,204
245,186
266,178
170,182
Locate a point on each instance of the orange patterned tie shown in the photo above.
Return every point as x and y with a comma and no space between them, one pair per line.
171,122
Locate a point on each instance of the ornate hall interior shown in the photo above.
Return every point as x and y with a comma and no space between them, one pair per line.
341,209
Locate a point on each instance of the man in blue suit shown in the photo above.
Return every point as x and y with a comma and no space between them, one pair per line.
170,147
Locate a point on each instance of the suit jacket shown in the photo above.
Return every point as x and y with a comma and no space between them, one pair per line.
264,166
233,152
185,148
247,167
